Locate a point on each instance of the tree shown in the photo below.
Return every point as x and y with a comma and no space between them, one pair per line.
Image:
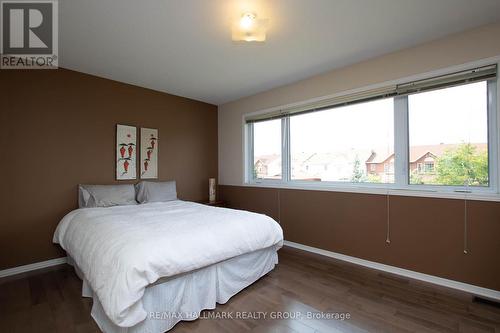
464,165
415,178
357,173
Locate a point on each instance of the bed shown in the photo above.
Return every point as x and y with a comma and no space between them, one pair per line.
152,265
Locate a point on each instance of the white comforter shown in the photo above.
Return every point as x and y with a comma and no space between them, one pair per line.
123,249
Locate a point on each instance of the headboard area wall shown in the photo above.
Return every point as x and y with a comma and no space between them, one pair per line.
57,130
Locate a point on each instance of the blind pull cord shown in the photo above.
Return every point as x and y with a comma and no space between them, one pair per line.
466,245
279,206
388,234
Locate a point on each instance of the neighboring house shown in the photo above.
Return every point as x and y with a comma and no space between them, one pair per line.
422,160
339,166
381,165
324,166
268,166
321,166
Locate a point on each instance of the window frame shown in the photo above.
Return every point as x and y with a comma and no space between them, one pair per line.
249,155
401,151
493,163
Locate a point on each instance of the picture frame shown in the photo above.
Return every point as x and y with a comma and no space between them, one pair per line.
126,152
149,153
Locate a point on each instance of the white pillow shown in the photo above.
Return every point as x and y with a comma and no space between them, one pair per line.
156,191
106,195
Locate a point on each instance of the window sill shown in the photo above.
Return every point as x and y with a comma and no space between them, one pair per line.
367,189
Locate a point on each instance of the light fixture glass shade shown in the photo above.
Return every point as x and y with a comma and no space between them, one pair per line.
247,21
249,29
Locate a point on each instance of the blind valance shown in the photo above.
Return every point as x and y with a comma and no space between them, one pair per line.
458,78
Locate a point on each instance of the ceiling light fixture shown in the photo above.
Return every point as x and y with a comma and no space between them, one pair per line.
249,29
247,21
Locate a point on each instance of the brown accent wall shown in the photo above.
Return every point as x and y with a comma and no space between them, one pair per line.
57,129
427,234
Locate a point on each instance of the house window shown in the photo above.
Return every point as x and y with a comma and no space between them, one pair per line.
429,167
439,132
267,150
450,126
391,167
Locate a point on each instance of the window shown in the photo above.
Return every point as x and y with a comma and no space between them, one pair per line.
438,134
267,149
338,144
429,167
389,168
449,128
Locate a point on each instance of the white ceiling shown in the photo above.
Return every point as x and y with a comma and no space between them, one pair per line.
184,47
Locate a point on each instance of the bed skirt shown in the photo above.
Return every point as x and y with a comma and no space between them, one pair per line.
183,297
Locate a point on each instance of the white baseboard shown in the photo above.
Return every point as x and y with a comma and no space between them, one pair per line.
475,290
32,267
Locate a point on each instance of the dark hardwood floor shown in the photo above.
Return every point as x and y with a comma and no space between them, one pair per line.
50,301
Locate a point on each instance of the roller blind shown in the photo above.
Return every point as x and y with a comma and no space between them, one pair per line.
463,77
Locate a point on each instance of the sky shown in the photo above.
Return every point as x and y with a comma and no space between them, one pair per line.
451,115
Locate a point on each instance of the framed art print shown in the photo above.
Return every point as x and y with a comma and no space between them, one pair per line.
149,153
126,152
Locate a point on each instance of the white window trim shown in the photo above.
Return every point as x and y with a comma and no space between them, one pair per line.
248,154
401,172
286,172
493,135
402,187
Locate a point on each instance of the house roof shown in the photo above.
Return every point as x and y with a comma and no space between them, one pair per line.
378,157
417,152
314,158
267,159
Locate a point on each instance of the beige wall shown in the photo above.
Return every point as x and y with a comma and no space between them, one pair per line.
450,51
